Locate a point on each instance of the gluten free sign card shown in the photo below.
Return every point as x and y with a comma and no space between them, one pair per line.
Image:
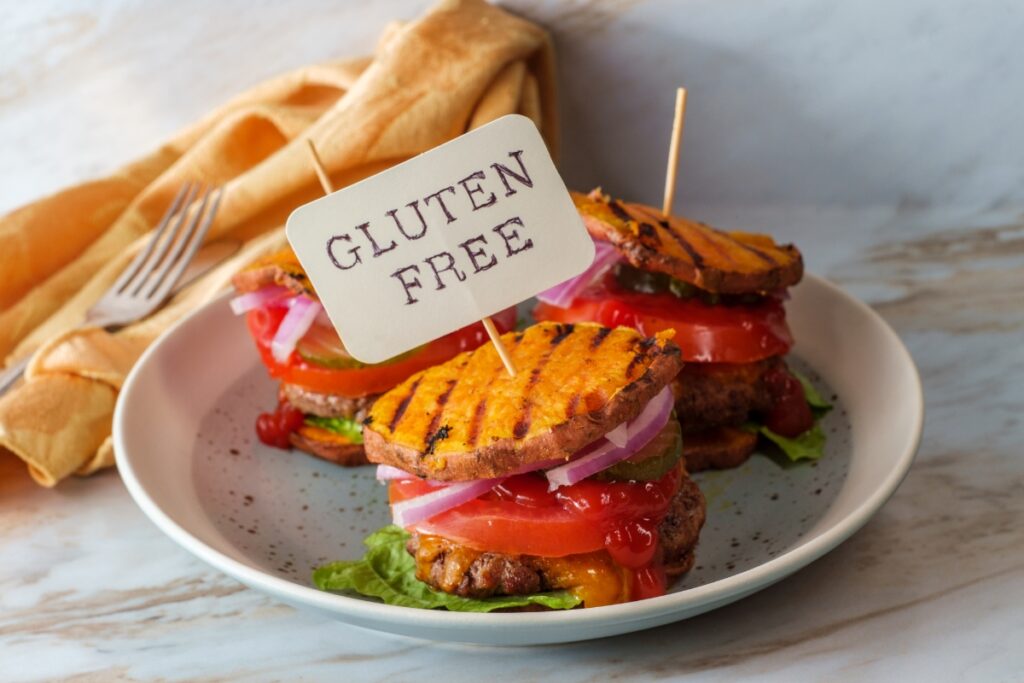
443,240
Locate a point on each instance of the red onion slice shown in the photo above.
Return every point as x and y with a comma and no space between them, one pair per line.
602,454
599,456
389,473
409,512
561,295
619,436
301,314
243,303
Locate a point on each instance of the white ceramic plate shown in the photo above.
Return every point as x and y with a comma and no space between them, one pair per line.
184,438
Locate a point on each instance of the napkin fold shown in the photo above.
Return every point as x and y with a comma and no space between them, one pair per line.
461,65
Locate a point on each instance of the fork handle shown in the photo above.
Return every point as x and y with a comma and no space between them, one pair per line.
9,376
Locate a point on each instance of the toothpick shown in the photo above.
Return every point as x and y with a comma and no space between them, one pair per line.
673,151
321,172
506,358
492,331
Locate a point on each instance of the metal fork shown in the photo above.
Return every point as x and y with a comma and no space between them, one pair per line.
148,280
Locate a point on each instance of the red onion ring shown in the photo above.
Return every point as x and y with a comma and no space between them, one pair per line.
389,473
243,303
561,295
301,314
602,454
409,512
596,457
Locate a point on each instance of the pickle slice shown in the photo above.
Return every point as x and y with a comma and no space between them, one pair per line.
322,346
653,461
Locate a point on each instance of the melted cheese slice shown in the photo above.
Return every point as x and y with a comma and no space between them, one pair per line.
592,577
321,434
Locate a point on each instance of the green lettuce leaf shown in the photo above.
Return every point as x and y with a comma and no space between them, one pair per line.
388,572
350,429
819,406
807,446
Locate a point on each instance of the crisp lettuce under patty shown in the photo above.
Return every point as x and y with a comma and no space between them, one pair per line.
346,427
388,572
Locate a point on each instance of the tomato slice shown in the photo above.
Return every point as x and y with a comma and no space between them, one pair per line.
721,333
370,379
521,517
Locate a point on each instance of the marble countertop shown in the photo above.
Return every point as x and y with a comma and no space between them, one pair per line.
932,588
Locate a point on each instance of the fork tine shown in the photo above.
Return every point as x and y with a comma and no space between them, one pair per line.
181,238
137,262
172,275
156,262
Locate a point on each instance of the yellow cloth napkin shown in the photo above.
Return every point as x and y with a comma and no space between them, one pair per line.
461,65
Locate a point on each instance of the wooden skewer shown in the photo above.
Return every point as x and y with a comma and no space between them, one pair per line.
673,151
321,172
492,331
506,357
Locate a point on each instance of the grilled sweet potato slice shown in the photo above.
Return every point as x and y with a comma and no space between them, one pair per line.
282,268
329,446
716,261
468,419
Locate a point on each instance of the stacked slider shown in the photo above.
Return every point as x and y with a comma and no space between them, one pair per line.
565,478
722,293
325,393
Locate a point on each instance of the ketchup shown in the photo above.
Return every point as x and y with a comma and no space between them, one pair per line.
790,415
616,520
274,428
649,582
628,513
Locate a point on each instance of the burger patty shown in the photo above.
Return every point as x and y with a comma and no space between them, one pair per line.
497,574
719,448
327,405
712,395
317,441
681,527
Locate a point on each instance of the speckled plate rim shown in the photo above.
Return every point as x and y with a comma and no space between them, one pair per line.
529,627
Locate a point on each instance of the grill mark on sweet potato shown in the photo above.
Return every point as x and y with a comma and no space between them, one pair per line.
641,355
694,255
561,332
522,425
403,405
767,258
481,407
648,236
709,237
601,335
573,405
439,410
435,436
619,211
474,423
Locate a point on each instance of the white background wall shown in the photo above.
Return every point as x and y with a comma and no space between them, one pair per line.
913,103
